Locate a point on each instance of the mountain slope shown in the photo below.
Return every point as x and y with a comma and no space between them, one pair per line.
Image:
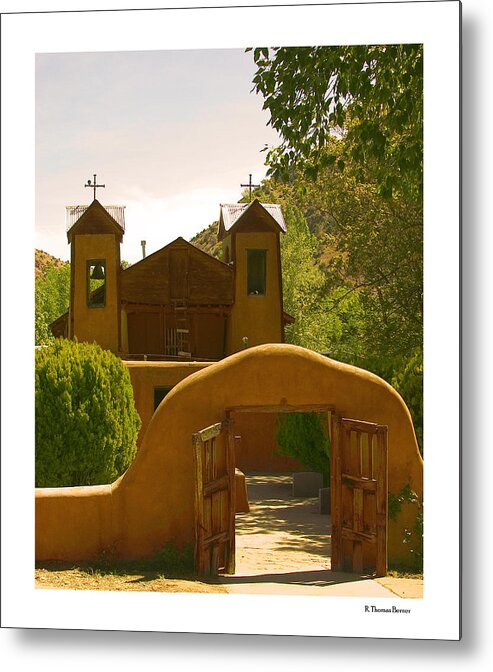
42,260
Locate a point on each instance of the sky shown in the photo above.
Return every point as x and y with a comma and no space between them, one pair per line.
171,135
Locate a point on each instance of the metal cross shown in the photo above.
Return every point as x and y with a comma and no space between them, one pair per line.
94,186
250,185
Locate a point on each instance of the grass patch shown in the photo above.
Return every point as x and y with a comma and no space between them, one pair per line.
404,573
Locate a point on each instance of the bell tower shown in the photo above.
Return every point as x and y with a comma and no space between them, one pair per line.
95,306
250,235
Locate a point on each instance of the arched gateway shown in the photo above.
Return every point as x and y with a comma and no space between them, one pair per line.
155,501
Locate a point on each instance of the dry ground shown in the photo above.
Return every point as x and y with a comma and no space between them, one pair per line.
282,545
70,577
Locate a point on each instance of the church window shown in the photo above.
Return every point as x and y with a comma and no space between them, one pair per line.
256,271
96,283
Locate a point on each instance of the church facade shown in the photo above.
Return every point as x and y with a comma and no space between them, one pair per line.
178,303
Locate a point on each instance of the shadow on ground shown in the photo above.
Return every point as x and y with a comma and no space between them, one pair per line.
323,577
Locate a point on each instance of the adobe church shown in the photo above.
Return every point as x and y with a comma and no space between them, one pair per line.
178,303
179,310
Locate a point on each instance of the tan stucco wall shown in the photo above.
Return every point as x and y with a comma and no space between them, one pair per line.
145,376
259,318
96,324
153,502
257,448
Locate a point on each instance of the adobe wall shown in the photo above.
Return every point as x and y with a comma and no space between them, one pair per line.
153,502
258,430
145,376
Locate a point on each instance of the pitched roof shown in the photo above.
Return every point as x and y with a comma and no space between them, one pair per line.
74,212
95,218
232,212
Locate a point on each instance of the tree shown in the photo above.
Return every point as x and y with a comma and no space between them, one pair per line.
372,95
376,252
408,381
86,424
357,261
52,295
303,281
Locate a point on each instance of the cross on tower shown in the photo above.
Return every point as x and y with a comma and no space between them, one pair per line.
94,185
250,185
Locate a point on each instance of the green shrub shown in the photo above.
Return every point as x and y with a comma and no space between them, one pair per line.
301,435
409,383
86,422
172,559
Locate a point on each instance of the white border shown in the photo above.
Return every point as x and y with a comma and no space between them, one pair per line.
435,24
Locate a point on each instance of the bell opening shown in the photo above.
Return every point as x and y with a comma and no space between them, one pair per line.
97,272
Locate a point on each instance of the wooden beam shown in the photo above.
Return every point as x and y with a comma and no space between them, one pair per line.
336,492
363,426
199,514
282,408
381,502
230,466
209,432
359,482
216,485
353,535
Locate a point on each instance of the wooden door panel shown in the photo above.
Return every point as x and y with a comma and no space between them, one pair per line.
359,495
215,497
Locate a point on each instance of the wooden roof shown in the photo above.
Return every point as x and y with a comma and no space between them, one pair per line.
178,271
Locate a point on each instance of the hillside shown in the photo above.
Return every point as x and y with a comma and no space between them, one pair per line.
206,240
42,260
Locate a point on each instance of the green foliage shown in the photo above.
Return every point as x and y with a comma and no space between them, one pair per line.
377,253
353,270
411,538
301,435
416,539
86,422
408,381
303,281
372,95
52,295
395,501
175,560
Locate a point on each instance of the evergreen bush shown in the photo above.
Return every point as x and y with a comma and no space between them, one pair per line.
301,435
86,421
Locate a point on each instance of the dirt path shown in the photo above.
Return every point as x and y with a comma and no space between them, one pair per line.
280,533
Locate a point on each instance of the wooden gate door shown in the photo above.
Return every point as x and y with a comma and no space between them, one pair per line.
359,497
215,495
